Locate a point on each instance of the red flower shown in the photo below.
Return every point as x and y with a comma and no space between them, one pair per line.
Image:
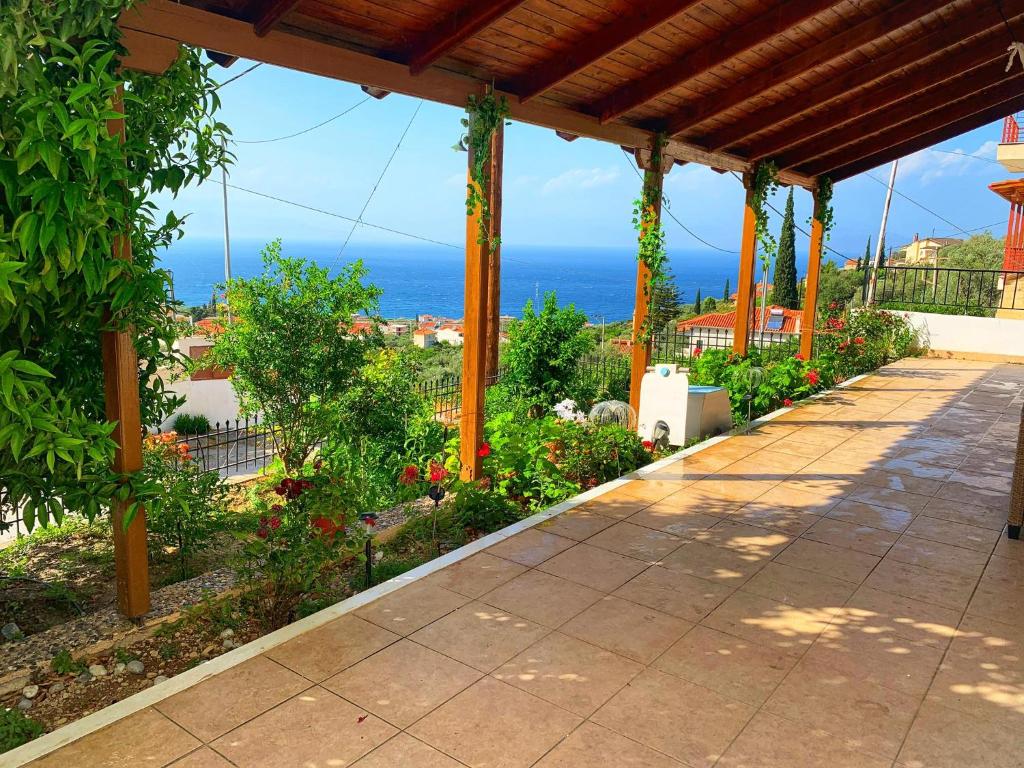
698,351
648,445
484,450
843,345
859,340
326,527
813,378
409,475
798,356
833,305
437,472
262,533
275,523
787,402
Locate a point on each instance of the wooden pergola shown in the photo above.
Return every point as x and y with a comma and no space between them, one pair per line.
824,88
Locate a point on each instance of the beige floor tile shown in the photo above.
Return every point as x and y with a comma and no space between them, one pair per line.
794,445
769,462
828,560
1009,548
968,514
225,701
677,594
696,499
636,541
634,631
476,574
861,538
413,606
940,557
314,728
563,670
886,497
791,522
494,725
768,623
201,758
864,716
996,599
617,504
895,481
890,660
479,635
968,494
543,598
650,489
957,534
592,746
913,581
1007,570
652,707
879,614
798,495
770,741
911,468
947,738
531,547
736,489
576,524
747,539
678,522
714,563
145,738
593,567
326,650
403,751
871,515
799,587
403,682
730,665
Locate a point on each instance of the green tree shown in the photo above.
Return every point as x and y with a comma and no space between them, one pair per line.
837,286
868,256
543,352
978,252
69,192
291,347
784,291
726,293
697,303
665,303
710,305
881,261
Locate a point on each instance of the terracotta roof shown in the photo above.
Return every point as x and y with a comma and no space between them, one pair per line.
726,321
424,332
210,326
758,290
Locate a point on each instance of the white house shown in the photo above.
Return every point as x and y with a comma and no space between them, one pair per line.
714,329
424,338
450,333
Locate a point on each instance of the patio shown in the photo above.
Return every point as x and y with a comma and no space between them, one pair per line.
832,589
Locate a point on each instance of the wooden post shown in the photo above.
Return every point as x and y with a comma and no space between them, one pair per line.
474,343
655,165
494,257
121,393
746,283
810,314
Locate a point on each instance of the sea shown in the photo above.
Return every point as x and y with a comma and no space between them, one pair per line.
428,279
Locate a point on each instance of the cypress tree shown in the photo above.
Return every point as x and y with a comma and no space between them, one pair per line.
881,261
696,303
867,255
784,292
726,292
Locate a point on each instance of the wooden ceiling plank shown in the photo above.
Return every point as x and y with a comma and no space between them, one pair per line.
457,29
829,49
929,139
597,46
938,116
266,14
810,138
204,29
705,57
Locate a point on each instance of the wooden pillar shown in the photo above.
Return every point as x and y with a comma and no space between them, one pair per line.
1016,516
121,394
807,320
494,257
746,283
474,343
655,165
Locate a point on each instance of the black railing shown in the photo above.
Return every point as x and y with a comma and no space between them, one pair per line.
239,447
972,291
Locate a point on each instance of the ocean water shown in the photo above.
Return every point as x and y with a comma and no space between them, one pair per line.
429,279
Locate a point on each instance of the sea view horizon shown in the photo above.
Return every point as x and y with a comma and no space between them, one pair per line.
422,278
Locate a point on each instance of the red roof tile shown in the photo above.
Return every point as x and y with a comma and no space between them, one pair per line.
726,320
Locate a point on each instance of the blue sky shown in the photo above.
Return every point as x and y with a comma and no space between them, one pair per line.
556,193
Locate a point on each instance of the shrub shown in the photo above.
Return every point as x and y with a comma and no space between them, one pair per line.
590,455
16,729
189,424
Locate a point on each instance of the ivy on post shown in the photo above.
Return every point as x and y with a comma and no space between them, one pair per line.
821,225
759,186
483,124
651,259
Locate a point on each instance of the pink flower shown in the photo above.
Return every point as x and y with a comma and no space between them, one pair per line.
787,402
484,451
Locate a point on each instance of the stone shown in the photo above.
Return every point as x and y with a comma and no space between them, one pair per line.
227,633
85,677
55,688
159,679
97,670
136,667
11,631
119,668
30,691
25,704
229,644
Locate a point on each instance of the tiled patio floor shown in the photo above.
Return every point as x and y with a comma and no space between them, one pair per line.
832,590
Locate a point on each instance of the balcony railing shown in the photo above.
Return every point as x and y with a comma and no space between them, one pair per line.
971,291
1011,130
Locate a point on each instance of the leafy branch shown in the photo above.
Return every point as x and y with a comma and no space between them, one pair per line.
484,115
765,183
823,206
647,222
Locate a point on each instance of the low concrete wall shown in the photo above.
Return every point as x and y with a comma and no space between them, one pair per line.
213,398
975,338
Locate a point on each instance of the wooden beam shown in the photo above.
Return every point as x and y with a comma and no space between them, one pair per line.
810,310
746,283
863,163
699,60
208,30
148,53
456,29
929,48
939,96
958,76
597,46
494,253
266,14
938,116
830,48
121,396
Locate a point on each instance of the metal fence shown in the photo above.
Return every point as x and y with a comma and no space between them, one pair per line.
239,447
964,289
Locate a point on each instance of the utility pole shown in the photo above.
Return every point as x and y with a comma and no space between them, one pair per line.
881,234
227,232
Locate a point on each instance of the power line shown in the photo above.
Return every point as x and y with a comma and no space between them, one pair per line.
922,207
306,130
241,74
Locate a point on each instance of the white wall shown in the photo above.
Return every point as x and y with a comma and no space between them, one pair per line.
977,335
213,398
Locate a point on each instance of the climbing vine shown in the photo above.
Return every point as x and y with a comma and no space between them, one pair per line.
484,115
651,236
823,206
764,185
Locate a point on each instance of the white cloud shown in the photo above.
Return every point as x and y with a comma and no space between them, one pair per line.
580,178
931,164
